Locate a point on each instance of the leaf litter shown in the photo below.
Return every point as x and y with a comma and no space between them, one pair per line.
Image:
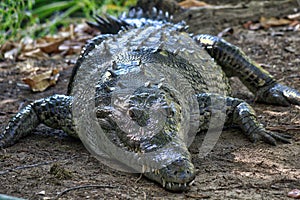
68,41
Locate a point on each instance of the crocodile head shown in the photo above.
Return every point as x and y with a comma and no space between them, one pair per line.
152,125
143,113
158,111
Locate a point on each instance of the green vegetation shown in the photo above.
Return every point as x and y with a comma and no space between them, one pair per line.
36,18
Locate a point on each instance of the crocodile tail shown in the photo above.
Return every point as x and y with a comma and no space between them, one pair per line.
167,7
139,17
135,18
153,14
108,24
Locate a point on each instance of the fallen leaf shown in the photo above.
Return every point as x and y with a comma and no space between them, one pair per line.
51,47
252,25
40,82
11,54
295,193
276,114
8,45
294,16
192,3
43,192
5,101
36,53
68,40
284,128
272,21
69,48
28,67
226,32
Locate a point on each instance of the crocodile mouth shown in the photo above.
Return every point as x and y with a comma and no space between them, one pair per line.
176,187
176,177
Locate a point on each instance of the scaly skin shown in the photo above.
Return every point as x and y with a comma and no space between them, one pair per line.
160,46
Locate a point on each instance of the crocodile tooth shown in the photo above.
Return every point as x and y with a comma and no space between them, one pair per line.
167,15
159,85
161,45
176,51
123,15
163,182
160,13
148,84
190,183
144,168
184,184
154,11
170,185
179,184
113,74
108,89
114,65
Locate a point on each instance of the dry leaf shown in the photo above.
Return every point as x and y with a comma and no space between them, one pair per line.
11,54
8,45
295,193
36,53
5,101
69,48
294,16
69,40
40,82
272,21
277,114
285,128
226,32
252,25
192,3
51,47
28,67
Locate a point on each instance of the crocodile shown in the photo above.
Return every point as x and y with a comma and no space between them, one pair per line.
132,46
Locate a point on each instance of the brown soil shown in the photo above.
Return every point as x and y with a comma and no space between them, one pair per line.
45,164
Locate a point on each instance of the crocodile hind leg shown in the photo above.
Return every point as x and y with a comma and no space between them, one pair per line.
54,111
238,113
235,63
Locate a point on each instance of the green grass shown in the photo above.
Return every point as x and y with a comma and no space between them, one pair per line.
36,18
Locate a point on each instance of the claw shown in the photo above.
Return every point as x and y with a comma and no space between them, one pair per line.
280,137
270,137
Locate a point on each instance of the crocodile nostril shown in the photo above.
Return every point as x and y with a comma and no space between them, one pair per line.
175,173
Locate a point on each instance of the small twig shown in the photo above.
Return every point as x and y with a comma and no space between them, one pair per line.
83,187
33,165
26,166
139,178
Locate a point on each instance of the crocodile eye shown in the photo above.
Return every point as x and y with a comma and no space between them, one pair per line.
131,113
170,112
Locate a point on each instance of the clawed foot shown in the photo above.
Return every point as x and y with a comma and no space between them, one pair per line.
269,136
280,95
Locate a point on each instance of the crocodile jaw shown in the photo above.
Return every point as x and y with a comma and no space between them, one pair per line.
175,177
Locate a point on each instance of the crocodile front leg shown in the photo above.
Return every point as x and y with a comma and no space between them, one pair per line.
235,63
238,113
54,111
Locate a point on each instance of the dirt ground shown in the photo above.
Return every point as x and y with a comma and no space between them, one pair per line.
47,163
